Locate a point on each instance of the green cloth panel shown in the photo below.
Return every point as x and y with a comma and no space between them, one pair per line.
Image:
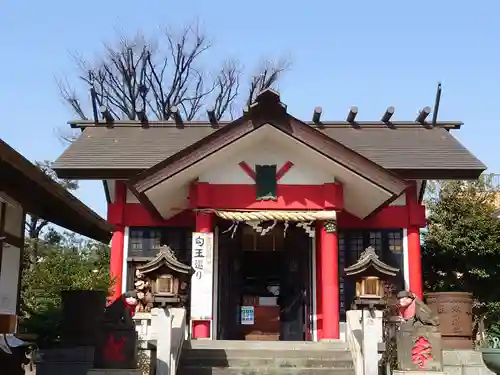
265,181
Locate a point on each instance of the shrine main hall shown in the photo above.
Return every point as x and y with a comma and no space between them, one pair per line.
267,210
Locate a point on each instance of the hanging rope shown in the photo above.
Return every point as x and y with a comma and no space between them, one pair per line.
275,215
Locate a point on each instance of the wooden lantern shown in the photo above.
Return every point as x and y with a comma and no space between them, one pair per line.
162,278
370,287
370,273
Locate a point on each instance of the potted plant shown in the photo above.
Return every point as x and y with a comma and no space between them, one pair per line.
490,352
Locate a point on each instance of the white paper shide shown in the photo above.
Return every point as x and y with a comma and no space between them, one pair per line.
202,279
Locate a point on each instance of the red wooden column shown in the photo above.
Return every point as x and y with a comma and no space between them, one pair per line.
118,241
204,224
413,238
329,285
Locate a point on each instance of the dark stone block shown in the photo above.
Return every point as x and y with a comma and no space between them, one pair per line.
116,349
63,361
69,354
82,315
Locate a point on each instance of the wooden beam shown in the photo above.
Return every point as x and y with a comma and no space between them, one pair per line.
317,115
436,105
212,118
82,124
176,115
283,170
93,98
106,115
422,115
388,114
249,171
351,117
143,118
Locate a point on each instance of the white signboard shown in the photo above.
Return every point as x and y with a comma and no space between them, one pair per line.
202,281
9,279
247,315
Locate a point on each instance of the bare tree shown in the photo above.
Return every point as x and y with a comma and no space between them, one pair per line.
155,75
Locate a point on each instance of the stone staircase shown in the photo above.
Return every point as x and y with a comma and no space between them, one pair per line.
265,358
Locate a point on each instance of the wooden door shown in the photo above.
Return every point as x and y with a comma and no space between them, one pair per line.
229,289
294,288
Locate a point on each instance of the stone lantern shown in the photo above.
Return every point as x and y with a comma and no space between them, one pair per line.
370,274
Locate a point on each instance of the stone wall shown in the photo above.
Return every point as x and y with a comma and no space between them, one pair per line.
464,362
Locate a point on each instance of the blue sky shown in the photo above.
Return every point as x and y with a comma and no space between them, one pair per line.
364,53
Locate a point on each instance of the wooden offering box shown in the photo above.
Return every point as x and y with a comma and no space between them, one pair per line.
266,325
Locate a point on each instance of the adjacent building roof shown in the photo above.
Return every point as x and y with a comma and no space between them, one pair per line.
411,149
43,197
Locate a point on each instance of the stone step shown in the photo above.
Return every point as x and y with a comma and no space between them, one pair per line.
198,354
198,370
266,345
298,360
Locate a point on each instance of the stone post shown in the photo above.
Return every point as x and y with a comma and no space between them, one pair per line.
371,324
161,321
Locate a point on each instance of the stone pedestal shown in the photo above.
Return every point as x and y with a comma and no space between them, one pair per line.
371,323
62,361
116,348
419,349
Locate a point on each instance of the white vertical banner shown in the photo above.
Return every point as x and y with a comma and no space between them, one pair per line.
9,279
202,256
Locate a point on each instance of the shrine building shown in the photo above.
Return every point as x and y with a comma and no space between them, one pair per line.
267,210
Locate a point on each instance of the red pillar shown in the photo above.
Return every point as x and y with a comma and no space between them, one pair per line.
415,262
414,253
118,241
330,299
204,224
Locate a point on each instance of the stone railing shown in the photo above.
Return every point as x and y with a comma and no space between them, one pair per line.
354,338
161,336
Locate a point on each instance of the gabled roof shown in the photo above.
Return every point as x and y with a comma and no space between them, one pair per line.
367,260
38,194
268,111
166,258
411,149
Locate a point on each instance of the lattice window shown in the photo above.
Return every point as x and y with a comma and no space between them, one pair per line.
356,246
147,241
136,239
375,240
155,239
395,241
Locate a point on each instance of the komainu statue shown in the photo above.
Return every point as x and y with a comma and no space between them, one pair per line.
418,339
413,309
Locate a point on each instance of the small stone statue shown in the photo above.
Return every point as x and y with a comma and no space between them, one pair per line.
412,308
144,295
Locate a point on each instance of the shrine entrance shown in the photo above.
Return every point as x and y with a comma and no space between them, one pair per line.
265,282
